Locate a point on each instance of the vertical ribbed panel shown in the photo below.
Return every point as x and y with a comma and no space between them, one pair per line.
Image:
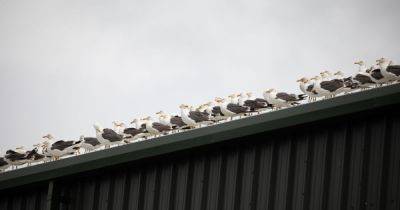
345,163
32,199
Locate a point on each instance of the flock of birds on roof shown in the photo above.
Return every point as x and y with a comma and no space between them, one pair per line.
326,85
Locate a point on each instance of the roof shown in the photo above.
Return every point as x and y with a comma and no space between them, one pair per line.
310,112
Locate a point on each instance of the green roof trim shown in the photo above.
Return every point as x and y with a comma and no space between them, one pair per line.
324,109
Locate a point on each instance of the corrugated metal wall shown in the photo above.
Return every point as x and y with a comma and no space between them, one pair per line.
350,162
31,199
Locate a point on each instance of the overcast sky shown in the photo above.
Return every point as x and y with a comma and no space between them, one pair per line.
67,64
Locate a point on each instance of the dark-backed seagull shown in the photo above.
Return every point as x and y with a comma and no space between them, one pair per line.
136,132
193,118
16,157
255,105
107,136
348,84
363,79
282,99
232,108
175,121
61,148
34,156
89,143
307,87
155,128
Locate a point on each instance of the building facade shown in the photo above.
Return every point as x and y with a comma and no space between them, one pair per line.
342,153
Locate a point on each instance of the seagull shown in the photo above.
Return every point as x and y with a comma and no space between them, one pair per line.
175,122
348,83
215,112
155,128
390,71
127,133
307,86
193,118
255,105
282,99
33,156
136,132
327,88
377,76
326,76
61,148
89,143
232,108
165,119
363,79
43,148
118,126
16,157
3,164
107,136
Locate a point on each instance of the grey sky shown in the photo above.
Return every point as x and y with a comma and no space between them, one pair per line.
67,64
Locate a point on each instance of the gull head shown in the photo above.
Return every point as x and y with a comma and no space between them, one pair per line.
303,80
118,123
381,61
339,73
159,113
148,118
269,90
219,100
163,116
97,127
208,104
48,136
136,120
184,106
315,78
232,96
360,63
325,74
249,94
240,95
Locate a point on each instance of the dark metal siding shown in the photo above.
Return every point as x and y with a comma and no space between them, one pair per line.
31,199
349,162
